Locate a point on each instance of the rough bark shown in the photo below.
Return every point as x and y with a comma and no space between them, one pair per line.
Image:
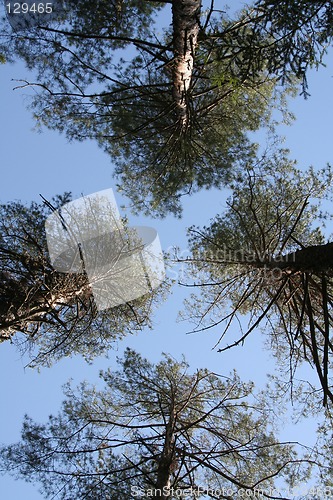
185,18
315,258
312,258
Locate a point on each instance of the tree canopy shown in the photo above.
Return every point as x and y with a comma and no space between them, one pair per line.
266,256
171,105
156,429
170,111
50,311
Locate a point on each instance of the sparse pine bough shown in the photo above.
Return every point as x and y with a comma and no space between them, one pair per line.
159,430
292,36
266,256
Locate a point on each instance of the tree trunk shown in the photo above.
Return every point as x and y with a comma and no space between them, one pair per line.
185,18
312,258
166,461
316,258
23,304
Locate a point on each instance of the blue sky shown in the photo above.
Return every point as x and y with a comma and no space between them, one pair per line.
46,163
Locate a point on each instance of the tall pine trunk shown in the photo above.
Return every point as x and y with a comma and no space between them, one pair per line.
167,459
316,258
185,18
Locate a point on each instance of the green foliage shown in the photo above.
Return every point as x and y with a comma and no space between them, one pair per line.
113,440
266,256
285,38
158,162
109,77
